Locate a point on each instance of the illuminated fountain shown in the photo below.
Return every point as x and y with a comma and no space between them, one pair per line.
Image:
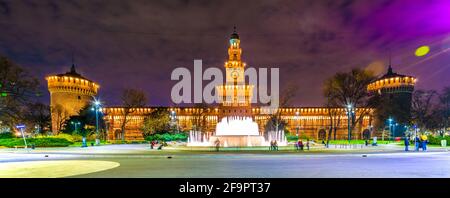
236,132
198,138
236,127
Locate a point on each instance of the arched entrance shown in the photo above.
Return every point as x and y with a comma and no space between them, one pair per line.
322,135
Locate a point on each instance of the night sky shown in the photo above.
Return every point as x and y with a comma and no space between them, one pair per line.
137,44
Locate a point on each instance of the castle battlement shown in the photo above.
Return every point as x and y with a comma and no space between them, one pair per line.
71,84
392,82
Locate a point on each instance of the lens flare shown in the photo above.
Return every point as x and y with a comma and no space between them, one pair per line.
422,50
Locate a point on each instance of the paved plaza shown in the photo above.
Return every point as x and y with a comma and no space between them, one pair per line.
137,161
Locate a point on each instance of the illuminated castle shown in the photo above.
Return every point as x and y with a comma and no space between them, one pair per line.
234,100
395,91
69,92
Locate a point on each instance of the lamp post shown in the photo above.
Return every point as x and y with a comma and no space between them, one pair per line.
75,124
173,120
297,120
83,140
394,127
390,127
349,116
96,108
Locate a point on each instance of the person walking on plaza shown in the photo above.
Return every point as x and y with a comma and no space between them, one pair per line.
217,143
275,145
300,144
152,144
406,143
296,145
307,144
271,145
416,143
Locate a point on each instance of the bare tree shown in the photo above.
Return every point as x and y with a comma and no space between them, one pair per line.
349,88
17,89
199,122
286,96
444,100
38,114
422,107
60,115
131,99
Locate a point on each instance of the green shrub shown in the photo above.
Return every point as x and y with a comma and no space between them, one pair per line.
38,142
167,137
71,138
6,135
436,140
292,138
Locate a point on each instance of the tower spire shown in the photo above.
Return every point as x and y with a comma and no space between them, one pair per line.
390,63
72,69
235,35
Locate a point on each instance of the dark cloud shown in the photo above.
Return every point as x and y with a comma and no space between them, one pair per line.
138,43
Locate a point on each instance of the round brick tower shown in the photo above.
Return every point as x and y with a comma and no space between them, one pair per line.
396,95
69,93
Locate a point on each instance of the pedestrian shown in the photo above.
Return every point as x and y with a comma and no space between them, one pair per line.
217,143
300,144
424,142
417,143
307,144
275,144
271,145
151,144
296,145
406,143
366,142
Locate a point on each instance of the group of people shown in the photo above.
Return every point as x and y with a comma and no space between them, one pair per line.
420,142
273,145
299,145
154,143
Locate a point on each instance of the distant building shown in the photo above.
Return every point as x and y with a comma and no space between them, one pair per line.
69,93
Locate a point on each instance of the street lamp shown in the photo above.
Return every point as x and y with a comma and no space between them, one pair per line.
390,127
173,120
96,108
350,112
76,124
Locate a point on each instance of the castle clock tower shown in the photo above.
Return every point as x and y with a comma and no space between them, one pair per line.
235,95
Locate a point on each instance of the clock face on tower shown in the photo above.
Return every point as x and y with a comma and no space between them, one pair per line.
234,74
